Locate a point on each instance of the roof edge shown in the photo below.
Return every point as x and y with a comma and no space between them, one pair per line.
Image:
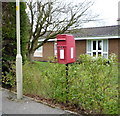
86,38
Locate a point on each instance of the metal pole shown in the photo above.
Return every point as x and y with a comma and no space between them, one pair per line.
67,84
18,57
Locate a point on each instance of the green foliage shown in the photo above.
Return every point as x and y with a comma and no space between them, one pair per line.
8,40
92,84
24,33
9,30
40,79
9,78
9,50
8,20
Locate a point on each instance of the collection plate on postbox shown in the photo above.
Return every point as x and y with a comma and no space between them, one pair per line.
66,51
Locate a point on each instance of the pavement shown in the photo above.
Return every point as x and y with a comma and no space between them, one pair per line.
10,105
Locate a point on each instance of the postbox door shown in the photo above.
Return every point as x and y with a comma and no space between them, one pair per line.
61,54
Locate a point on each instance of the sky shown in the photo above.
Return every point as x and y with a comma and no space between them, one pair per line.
107,11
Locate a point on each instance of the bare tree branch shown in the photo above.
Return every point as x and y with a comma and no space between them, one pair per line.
48,19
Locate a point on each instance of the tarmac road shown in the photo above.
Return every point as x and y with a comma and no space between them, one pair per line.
10,105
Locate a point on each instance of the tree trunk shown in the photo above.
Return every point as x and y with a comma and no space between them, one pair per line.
30,56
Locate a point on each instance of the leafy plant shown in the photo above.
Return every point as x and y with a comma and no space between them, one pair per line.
9,78
91,84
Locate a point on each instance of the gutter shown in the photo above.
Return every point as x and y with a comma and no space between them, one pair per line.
85,38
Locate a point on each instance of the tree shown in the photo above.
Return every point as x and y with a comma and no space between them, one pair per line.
24,30
9,35
47,19
9,30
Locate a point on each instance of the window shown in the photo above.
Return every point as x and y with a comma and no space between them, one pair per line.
97,47
39,52
105,48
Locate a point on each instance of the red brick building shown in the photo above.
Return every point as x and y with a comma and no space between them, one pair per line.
93,41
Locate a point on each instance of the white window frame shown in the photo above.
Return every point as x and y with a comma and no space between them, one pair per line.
107,52
39,52
97,51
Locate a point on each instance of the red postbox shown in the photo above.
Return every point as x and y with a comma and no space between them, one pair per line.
66,51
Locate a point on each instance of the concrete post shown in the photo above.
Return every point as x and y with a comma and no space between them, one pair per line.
18,57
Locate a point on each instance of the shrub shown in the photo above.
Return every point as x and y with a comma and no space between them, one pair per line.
9,78
94,84
91,84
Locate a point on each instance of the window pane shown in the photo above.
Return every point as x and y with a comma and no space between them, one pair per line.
105,55
89,54
89,46
105,45
94,45
99,54
99,45
39,52
94,54
39,49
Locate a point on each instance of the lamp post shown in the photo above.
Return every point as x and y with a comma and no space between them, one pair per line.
18,57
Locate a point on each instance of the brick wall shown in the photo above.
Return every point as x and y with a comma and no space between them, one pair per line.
114,47
119,50
48,51
80,47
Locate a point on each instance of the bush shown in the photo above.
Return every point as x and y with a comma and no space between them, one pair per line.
45,79
92,84
9,78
